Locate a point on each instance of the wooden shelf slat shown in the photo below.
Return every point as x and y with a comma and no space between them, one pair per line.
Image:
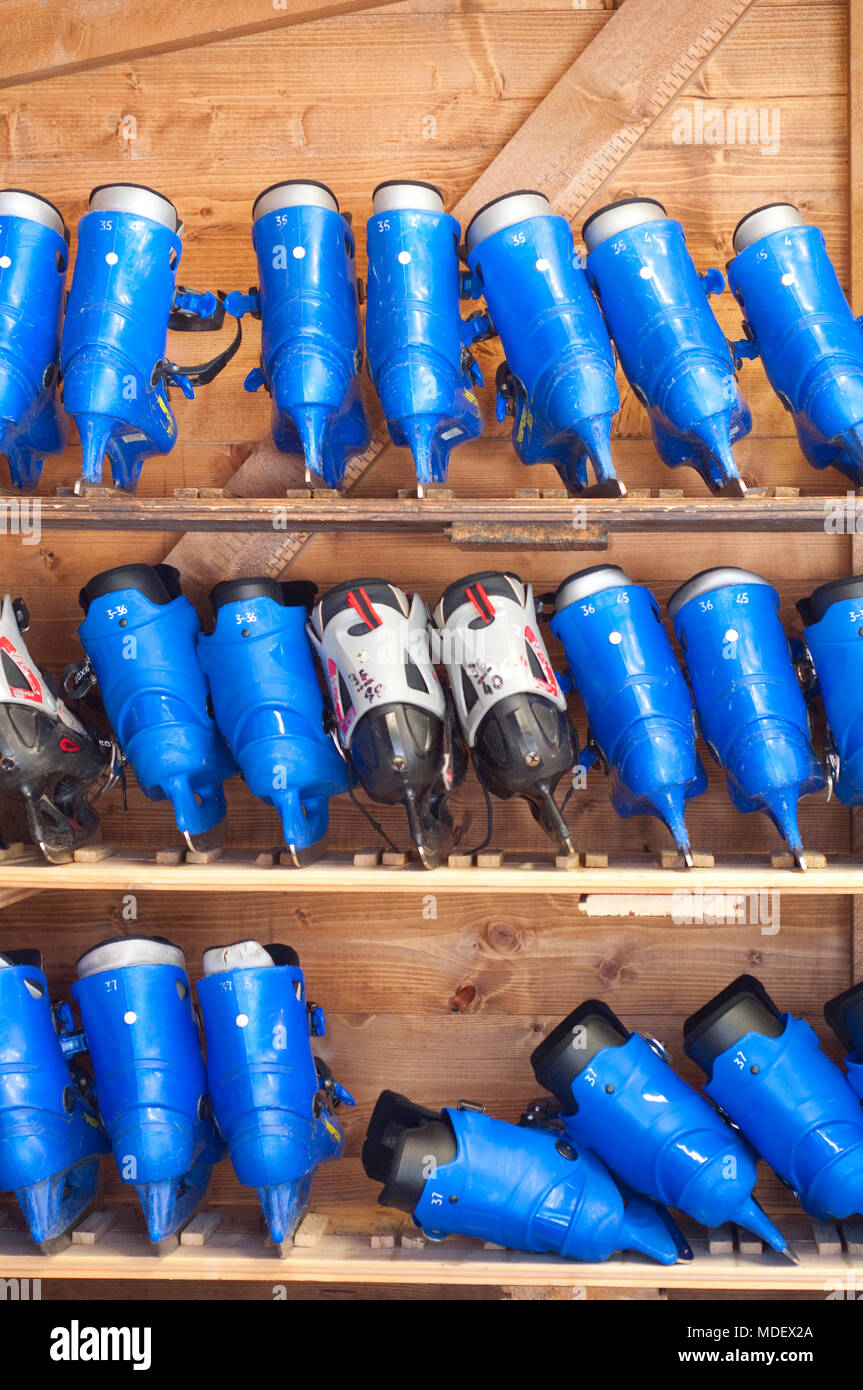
412,515
234,1255
237,872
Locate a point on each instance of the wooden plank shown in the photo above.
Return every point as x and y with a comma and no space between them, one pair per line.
139,872
123,1255
8,896
855,211
575,516
479,960
595,114
720,1240
855,151
91,1230
200,1228
827,1238
852,1235
55,37
311,1230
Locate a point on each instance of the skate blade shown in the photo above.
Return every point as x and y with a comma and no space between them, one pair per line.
62,1242
165,1246
209,839
310,854
55,854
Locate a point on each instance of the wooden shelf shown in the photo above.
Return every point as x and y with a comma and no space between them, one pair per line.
242,1255
467,520
236,872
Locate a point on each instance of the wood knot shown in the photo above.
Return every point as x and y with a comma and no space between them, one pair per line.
608,970
502,937
466,1000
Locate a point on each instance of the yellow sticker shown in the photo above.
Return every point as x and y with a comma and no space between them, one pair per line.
166,412
524,423
332,1129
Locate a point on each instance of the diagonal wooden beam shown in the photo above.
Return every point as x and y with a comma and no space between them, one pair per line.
578,136
576,139
40,40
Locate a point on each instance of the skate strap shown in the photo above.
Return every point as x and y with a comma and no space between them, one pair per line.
190,321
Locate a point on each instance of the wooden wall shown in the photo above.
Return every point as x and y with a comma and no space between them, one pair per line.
452,1005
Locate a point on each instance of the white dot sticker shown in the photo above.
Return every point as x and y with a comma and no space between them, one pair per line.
787,278
299,252
130,1017
404,257
732,634
542,264
5,262
242,1020
615,638
112,258
646,272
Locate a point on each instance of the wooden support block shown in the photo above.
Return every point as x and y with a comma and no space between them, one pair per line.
528,493
439,492
267,858
492,1245
93,1227
395,858
310,1230
92,854
556,494
367,858
827,1238
595,860
283,1249
203,856
554,1293
537,535
214,492
460,861
755,491
200,1228
83,488
785,860
383,1240
638,492
720,1240
672,859
489,859
786,492
852,1234
180,492
327,494
412,1240
749,1244
174,855
567,861
666,492
9,852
